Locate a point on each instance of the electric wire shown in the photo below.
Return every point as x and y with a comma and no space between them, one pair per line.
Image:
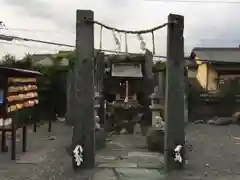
198,1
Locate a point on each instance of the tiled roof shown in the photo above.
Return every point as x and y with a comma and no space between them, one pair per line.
18,72
217,54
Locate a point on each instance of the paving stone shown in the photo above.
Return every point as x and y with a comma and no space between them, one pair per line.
118,163
145,154
193,178
147,159
105,174
139,174
151,165
104,159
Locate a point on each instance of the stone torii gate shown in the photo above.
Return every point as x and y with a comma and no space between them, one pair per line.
80,91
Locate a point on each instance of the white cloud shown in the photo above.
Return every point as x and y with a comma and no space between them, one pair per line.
202,21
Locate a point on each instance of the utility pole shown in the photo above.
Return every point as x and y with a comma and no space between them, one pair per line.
82,112
174,98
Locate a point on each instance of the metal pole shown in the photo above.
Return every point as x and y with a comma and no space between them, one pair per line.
174,98
83,103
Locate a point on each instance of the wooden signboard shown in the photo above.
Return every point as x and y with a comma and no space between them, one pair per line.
21,93
18,91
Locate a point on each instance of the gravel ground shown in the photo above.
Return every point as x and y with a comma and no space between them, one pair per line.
215,155
47,155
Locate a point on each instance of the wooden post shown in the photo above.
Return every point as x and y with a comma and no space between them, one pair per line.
13,137
161,84
105,115
148,82
35,127
83,109
69,91
4,145
99,75
34,124
101,110
174,101
3,141
24,138
49,125
100,68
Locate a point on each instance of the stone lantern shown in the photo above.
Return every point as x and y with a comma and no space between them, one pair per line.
96,107
157,109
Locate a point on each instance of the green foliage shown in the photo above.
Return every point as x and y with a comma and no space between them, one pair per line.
229,91
52,87
159,66
8,60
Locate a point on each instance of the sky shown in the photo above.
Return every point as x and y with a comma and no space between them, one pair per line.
206,24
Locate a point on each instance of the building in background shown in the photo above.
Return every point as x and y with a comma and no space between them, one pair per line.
46,59
215,67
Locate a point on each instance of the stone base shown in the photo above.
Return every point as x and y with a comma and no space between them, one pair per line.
100,140
155,140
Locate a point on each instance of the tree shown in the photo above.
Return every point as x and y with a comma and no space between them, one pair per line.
27,61
24,63
8,60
